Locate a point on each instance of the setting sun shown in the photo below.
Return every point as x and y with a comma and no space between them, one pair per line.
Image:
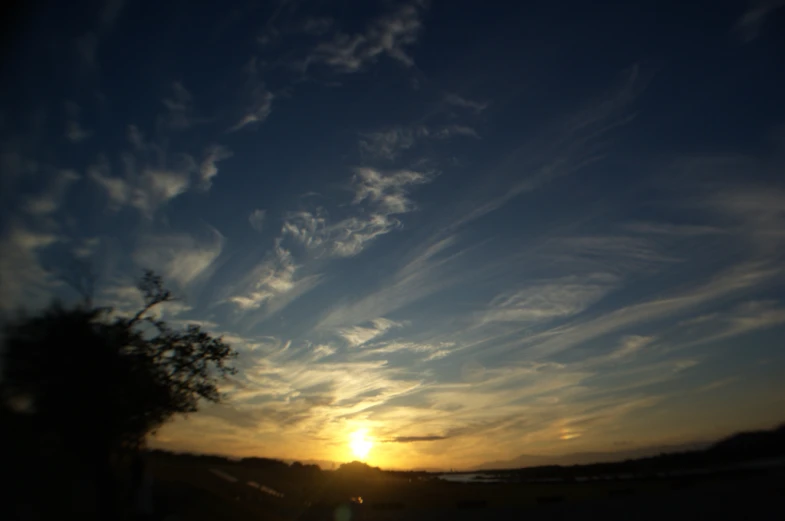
360,444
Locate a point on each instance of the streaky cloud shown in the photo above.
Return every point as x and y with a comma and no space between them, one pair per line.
574,145
414,439
209,168
182,258
460,101
737,280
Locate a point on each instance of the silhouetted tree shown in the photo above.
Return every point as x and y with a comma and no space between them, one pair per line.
101,382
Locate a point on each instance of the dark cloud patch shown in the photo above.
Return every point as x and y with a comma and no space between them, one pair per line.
245,419
413,439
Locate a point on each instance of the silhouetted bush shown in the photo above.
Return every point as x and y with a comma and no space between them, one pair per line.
96,384
358,468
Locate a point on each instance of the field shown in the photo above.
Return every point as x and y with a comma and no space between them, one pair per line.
194,491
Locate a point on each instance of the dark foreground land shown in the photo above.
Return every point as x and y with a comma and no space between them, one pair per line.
195,491
742,477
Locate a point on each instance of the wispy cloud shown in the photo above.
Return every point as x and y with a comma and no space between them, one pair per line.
680,230
576,143
257,99
547,300
631,344
272,278
494,400
280,279
389,191
358,335
75,133
758,11
401,348
758,213
323,351
87,44
150,177
718,384
85,248
456,130
307,396
273,284
179,108
257,218
209,168
414,439
465,103
111,11
261,104
743,318
181,258
344,238
318,25
623,252
117,189
50,200
157,187
390,143
87,48
416,279
23,277
388,35
385,196
734,281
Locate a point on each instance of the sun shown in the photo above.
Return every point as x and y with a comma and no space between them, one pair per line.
360,444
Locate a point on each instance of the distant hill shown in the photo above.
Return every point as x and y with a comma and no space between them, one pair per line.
751,445
742,447
585,458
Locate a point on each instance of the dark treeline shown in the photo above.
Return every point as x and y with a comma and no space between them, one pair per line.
250,462
345,470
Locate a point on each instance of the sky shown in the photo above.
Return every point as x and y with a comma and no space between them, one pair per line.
457,231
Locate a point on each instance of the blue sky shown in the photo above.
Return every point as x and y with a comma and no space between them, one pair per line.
468,231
